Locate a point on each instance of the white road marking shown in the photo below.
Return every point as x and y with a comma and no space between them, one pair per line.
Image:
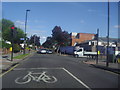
58,68
77,79
37,68
39,76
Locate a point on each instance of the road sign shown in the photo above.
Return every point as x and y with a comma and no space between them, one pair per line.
22,39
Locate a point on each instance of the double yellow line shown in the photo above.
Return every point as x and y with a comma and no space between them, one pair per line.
8,70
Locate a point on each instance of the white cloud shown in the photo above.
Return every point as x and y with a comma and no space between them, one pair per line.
37,31
20,24
43,37
117,26
40,33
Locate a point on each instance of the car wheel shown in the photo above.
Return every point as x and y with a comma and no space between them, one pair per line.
76,55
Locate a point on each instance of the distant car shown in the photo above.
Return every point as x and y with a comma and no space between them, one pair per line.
117,59
42,51
49,51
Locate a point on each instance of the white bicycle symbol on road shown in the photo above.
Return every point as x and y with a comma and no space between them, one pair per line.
36,77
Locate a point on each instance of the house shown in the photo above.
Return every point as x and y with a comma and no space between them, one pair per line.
77,38
90,45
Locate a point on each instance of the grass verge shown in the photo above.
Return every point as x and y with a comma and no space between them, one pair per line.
21,56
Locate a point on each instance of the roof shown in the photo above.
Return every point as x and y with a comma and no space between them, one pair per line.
104,39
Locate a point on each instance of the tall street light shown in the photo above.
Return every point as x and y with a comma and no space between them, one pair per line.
25,29
107,62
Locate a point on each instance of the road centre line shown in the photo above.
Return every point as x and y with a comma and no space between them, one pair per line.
76,79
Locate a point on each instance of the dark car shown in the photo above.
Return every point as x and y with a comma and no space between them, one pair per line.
49,51
42,51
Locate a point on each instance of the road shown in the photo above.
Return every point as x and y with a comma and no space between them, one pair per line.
56,71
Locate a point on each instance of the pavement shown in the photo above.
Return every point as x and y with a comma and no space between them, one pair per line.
113,67
6,63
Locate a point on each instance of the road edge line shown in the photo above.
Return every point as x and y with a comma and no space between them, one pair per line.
77,79
8,70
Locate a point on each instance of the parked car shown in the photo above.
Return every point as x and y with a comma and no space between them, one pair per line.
49,51
42,51
117,59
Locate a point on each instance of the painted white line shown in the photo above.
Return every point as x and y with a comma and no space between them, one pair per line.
77,79
36,68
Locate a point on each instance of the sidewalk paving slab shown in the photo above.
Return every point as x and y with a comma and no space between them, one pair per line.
6,64
113,67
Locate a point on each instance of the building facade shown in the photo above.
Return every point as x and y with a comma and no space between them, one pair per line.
90,45
77,38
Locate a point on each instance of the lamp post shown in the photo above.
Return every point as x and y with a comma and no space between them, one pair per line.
25,30
107,61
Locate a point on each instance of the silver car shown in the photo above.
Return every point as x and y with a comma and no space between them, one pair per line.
42,51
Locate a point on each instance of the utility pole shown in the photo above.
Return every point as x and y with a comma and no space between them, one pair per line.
97,45
25,30
107,61
34,41
118,22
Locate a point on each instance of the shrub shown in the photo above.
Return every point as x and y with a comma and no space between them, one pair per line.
16,48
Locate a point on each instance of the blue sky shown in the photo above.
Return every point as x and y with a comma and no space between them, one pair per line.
80,17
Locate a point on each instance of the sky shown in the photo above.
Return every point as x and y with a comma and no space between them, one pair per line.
80,17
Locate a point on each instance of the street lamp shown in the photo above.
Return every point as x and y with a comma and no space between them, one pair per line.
107,62
25,29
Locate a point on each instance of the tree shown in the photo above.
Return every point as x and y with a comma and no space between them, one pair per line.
59,38
6,32
62,37
49,42
35,40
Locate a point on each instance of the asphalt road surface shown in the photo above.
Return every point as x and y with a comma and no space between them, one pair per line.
56,71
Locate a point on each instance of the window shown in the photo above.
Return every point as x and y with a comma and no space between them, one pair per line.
77,36
79,50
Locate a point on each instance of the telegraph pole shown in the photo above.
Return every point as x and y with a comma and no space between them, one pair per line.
107,61
97,45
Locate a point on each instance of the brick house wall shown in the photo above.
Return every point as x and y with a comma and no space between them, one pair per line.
80,37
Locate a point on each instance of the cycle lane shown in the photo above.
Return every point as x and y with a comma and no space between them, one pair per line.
64,79
73,73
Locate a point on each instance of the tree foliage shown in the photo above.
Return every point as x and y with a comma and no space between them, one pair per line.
49,42
35,40
7,33
62,37
59,38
